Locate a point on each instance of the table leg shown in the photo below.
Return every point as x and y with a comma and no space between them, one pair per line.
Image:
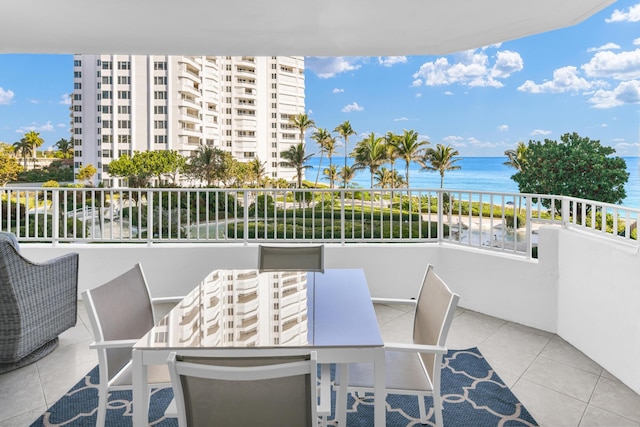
140,390
379,388
341,395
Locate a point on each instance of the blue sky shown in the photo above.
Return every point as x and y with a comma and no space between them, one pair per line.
584,78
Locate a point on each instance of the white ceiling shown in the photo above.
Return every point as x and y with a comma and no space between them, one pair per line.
278,27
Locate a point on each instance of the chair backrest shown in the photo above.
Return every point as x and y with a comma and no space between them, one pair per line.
435,308
291,258
120,309
244,391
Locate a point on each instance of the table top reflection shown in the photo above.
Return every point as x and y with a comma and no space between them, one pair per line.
245,308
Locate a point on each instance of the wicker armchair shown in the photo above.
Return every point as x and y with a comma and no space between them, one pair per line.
38,301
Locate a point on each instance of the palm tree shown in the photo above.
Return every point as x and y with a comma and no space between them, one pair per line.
32,137
392,150
345,131
258,169
295,158
516,157
346,174
24,148
441,159
321,136
370,153
65,148
302,122
208,164
409,149
332,173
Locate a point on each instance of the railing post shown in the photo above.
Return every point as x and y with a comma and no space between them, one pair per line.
440,217
528,227
245,216
565,211
150,218
55,222
343,222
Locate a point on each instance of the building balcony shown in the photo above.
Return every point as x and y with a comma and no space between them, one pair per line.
549,295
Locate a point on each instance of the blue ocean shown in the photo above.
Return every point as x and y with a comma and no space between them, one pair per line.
477,173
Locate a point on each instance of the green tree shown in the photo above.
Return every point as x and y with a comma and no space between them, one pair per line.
208,165
24,149
388,178
33,138
390,140
258,170
517,157
370,153
295,158
136,169
441,159
163,163
345,130
322,137
576,166
65,148
86,173
409,149
332,174
347,174
9,166
302,122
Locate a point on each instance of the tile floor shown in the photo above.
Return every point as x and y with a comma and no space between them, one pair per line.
559,385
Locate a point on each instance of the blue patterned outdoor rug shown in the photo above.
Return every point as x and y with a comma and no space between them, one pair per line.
473,396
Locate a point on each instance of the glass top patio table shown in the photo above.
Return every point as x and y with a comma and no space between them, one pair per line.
245,310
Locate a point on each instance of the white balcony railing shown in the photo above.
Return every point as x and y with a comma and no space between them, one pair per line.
502,222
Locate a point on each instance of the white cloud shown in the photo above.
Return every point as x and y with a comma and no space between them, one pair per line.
633,15
352,107
401,119
608,46
636,42
418,95
619,66
447,92
337,90
565,79
47,127
474,142
416,83
66,99
537,132
309,111
503,128
5,96
390,61
327,67
454,140
33,101
62,125
471,68
625,93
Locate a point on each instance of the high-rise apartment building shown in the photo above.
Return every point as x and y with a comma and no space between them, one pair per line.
243,105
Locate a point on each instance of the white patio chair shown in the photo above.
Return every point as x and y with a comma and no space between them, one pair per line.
291,258
244,391
121,312
412,369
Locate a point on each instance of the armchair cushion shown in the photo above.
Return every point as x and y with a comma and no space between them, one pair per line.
38,301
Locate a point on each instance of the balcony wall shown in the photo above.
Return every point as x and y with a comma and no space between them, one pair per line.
583,288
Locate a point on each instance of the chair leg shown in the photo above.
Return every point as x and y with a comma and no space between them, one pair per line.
423,410
103,396
437,409
341,395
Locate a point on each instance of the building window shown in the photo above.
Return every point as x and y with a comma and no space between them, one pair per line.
124,124
77,153
107,65
160,80
124,94
107,80
124,80
77,108
160,124
124,65
124,139
160,139
77,63
77,97
106,109
77,131
159,65
124,109
77,142
122,153
107,124
77,119
107,139
107,153
159,94
77,74
160,109
107,94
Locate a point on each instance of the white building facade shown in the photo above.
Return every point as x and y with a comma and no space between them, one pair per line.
127,103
